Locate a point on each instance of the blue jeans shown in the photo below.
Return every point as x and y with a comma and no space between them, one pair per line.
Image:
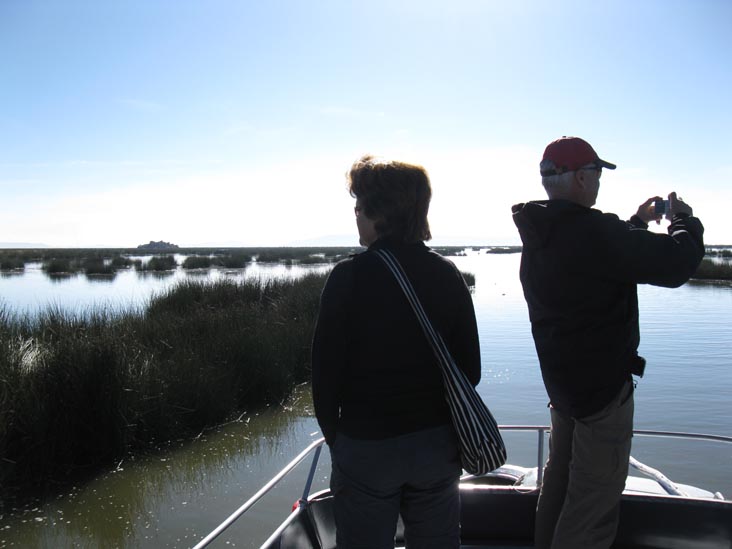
584,477
416,474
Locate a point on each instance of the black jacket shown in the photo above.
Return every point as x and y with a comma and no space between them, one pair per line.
579,270
374,373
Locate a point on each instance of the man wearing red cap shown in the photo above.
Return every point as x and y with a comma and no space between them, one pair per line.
579,271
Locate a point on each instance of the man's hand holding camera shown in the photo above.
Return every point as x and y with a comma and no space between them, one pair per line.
655,208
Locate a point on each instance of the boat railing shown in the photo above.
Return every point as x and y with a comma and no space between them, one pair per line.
316,446
541,430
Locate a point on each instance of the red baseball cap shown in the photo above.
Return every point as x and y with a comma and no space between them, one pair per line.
569,154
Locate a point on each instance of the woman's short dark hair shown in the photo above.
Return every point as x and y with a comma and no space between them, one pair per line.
396,195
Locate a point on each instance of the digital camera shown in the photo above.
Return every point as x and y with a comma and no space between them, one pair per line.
661,207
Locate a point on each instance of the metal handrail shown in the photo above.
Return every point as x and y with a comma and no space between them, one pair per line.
674,434
266,488
303,501
317,446
541,430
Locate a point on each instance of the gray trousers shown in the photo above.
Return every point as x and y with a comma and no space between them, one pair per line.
584,477
415,475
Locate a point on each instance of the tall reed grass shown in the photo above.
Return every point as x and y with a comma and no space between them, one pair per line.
11,263
58,266
78,392
469,278
120,262
234,260
96,265
711,270
157,263
197,262
719,251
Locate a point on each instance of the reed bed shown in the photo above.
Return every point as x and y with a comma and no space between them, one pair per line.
158,263
713,270
720,251
235,260
58,266
120,262
96,265
469,279
79,392
197,262
11,263
109,260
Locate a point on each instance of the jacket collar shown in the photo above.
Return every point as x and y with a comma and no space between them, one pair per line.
392,243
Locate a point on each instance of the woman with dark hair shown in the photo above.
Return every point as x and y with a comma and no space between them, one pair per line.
377,386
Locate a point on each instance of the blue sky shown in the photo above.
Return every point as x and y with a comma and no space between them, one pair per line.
234,122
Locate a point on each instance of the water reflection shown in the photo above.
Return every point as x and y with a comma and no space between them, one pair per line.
36,290
159,275
154,500
97,278
60,277
710,283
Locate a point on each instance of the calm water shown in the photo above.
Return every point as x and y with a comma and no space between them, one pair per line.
34,291
174,499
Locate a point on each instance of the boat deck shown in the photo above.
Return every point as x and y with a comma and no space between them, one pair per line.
497,510
496,517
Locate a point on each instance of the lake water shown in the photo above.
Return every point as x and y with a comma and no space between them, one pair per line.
175,498
33,290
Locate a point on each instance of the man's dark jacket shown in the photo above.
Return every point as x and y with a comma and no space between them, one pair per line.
579,270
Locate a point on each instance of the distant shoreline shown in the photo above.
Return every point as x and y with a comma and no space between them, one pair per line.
109,260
